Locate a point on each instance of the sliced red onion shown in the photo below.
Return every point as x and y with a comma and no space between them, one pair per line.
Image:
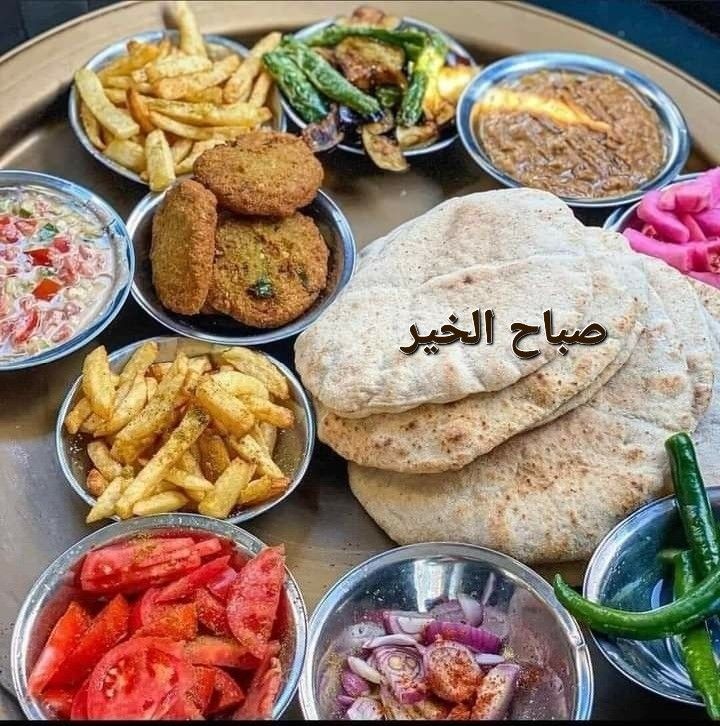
408,623
363,669
496,693
472,608
488,589
354,685
450,611
403,672
345,701
451,671
394,639
426,710
478,639
488,659
496,622
365,709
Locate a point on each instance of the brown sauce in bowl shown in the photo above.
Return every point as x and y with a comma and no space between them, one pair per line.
574,134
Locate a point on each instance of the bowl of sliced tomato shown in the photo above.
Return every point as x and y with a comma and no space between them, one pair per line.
176,616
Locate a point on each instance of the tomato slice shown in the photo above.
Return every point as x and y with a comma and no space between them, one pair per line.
224,652
227,693
79,704
211,613
46,289
142,678
61,242
26,226
107,629
203,687
40,257
25,327
59,701
262,692
186,586
254,598
220,585
66,634
175,621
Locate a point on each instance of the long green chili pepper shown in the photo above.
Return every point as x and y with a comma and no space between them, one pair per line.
298,90
388,96
693,504
327,80
696,645
411,40
425,72
696,606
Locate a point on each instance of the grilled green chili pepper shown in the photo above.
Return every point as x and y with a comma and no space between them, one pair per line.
693,504
412,41
695,645
696,606
298,90
389,96
425,72
327,80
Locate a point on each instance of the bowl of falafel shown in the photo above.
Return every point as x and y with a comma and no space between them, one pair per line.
249,250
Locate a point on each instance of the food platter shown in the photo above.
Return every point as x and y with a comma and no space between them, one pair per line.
41,518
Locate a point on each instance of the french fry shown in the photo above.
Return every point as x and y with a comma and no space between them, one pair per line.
151,386
192,425
91,126
141,54
77,416
186,480
96,483
186,165
224,496
269,433
104,507
251,451
118,96
159,370
139,110
190,462
177,66
160,165
109,116
197,133
209,114
127,153
129,407
241,384
258,366
139,362
97,382
228,411
214,456
261,89
123,83
103,460
214,94
179,150
183,86
191,41
260,490
266,44
165,47
239,85
160,503
265,410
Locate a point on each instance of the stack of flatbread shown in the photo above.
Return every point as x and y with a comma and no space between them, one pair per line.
535,457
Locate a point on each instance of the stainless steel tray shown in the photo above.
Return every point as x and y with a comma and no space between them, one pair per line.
325,529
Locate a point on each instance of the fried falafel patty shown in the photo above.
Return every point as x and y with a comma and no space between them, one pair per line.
267,272
183,246
264,173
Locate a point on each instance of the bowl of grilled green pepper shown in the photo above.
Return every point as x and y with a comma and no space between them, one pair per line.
652,589
372,83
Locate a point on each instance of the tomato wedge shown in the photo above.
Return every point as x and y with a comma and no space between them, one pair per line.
40,257
254,598
227,693
79,704
220,585
66,634
225,652
175,621
46,289
186,586
143,678
262,692
59,701
203,687
211,613
109,627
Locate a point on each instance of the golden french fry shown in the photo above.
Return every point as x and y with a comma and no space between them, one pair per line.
186,165
103,460
221,500
151,386
227,410
118,96
239,85
269,433
191,41
186,480
97,382
214,94
192,425
209,114
104,507
140,54
139,110
214,456
96,483
159,503
127,153
123,83
109,116
258,366
197,133
165,47
77,416
250,450
261,489
177,66
91,126
241,384
261,89
183,86
179,150
139,362
128,407
159,370
139,76
266,44
160,165
106,136
265,410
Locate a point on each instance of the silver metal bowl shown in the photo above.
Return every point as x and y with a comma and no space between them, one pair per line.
217,47
624,217
624,572
53,590
293,449
222,329
677,137
447,135
122,251
412,578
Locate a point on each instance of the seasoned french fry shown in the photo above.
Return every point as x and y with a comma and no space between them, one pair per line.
160,503
214,94
127,153
186,480
97,382
104,507
266,44
139,362
265,410
159,370
129,407
109,116
191,41
186,165
96,483
214,456
151,386
180,149
141,54
103,460
160,165
139,110
192,425
261,489
183,86
210,114
239,85
241,384
91,126
229,411
197,133
77,416
269,433
177,66
224,496
261,89
258,366
123,83
118,96
250,450
164,48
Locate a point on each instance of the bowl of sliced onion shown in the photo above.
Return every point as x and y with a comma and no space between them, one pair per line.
444,631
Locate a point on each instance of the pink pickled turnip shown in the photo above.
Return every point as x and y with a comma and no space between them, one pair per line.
709,222
709,278
668,226
693,228
690,196
677,256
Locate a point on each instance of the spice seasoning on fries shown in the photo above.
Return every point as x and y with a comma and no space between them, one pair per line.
157,108
195,433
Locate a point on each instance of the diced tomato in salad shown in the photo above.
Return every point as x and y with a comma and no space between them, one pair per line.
147,638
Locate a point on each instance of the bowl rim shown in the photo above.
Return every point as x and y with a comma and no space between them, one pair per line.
672,121
454,46
301,399
241,538
102,57
530,579
597,567
332,214
125,251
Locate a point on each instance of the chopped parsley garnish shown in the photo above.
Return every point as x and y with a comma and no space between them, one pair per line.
25,213
47,231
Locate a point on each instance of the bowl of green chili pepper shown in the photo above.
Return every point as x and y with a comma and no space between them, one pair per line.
652,589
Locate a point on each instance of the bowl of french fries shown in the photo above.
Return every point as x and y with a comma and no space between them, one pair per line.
150,104
170,424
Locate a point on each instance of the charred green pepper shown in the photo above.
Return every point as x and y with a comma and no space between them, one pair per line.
425,72
411,40
298,90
